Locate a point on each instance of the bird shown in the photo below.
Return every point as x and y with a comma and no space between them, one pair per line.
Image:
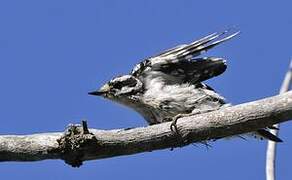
169,85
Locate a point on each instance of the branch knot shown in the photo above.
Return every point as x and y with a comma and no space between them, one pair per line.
72,145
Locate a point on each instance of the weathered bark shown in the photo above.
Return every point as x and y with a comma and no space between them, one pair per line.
77,144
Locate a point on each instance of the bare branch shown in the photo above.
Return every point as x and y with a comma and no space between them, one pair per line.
77,144
272,146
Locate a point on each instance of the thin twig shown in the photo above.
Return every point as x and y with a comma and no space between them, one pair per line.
272,146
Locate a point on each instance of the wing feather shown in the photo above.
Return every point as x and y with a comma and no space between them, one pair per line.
201,47
180,63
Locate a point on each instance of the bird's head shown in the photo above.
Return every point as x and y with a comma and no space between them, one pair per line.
120,89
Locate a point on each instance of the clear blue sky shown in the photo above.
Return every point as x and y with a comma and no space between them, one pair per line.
53,52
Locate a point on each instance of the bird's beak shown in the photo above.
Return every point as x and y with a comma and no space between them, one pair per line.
103,90
96,93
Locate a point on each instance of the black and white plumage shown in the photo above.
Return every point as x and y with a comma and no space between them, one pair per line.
169,85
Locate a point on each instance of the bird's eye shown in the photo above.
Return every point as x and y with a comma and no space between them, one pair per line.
130,82
118,85
127,83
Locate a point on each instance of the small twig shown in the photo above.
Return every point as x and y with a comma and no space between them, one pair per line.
272,146
85,128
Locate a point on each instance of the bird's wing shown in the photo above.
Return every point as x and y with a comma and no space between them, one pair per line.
180,62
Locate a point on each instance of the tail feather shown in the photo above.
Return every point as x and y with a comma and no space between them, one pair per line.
267,135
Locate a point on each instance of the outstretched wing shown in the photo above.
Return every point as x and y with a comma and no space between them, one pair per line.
180,62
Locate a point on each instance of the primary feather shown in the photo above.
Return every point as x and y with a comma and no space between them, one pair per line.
180,63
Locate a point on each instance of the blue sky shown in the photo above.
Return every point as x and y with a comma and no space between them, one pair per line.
53,52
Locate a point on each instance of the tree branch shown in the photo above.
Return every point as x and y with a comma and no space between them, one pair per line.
272,146
77,144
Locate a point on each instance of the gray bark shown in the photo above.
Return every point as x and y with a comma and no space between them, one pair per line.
77,144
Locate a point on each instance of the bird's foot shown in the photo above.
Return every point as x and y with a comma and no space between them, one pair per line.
173,126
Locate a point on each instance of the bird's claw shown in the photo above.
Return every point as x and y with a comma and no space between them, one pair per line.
173,126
